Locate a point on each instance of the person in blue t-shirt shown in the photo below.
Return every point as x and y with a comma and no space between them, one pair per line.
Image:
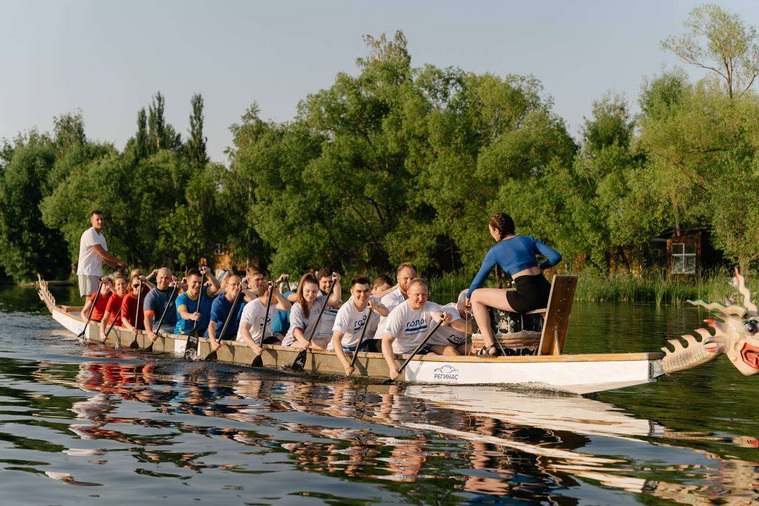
189,315
220,310
516,254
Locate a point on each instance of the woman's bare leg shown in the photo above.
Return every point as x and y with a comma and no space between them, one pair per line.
440,349
482,299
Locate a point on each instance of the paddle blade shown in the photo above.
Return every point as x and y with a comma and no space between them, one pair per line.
300,361
191,350
211,356
149,348
387,382
258,361
134,345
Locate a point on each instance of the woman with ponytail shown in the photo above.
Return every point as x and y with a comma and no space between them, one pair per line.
516,256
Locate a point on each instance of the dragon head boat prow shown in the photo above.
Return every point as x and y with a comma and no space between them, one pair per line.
736,334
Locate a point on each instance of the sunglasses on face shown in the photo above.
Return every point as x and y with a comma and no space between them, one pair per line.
136,286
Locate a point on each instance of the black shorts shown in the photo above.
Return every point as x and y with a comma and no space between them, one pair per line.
532,293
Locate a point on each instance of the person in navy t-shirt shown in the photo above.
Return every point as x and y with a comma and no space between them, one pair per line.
220,310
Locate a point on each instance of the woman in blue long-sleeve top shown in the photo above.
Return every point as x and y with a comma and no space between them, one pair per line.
516,255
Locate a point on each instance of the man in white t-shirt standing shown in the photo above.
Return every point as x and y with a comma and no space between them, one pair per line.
409,323
92,252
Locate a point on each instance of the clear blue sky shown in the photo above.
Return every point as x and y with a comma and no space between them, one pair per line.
108,58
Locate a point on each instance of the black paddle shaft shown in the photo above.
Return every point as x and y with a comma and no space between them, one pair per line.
118,313
165,310
200,304
193,342
266,314
361,339
166,307
413,354
257,360
134,344
92,310
212,354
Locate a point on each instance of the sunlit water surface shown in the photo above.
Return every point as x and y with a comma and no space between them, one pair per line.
85,424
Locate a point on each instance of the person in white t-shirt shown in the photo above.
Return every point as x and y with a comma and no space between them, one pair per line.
252,331
330,313
382,286
306,311
409,323
405,273
351,319
92,252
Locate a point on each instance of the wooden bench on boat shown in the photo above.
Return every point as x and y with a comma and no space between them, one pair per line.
556,315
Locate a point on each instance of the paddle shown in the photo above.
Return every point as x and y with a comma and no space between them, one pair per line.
300,361
134,344
421,345
361,339
80,337
212,355
165,309
193,342
118,313
258,361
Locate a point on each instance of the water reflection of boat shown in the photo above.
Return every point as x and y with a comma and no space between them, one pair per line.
579,374
552,412
499,443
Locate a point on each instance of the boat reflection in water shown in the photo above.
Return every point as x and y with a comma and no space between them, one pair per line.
451,443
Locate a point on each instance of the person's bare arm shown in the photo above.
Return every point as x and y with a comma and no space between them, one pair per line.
104,324
384,292
212,335
378,308
387,352
187,315
282,303
248,339
215,285
337,292
107,257
86,308
337,345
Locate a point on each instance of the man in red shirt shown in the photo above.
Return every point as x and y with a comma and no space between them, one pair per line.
100,304
129,309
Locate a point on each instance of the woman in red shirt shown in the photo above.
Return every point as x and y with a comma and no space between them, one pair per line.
112,313
100,304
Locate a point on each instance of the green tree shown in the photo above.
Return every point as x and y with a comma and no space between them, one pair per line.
28,246
720,42
196,144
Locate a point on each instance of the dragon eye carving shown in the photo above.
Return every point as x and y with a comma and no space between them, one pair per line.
751,326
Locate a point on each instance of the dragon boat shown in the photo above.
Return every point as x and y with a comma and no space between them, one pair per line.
735,335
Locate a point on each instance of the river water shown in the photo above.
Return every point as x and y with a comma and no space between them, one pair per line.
84,424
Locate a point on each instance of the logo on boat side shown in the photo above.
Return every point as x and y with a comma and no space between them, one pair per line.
446,372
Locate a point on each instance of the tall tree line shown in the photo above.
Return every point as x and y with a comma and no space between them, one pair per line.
404,163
